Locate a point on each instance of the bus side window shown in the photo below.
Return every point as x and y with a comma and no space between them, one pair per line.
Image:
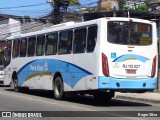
65,42
31,46
91,38
51,44
40,45
79,44
15,48
23,47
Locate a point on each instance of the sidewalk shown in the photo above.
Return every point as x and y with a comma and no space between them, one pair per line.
153,97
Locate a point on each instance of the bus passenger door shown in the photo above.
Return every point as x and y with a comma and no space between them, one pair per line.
6,63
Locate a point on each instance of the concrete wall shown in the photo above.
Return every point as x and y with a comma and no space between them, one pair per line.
4,28
33,26
14,26
9,27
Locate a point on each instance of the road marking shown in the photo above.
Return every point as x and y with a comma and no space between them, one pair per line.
71,106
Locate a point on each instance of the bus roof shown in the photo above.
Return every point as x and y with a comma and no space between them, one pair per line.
71,25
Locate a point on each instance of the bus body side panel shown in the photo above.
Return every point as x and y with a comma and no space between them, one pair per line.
90,64
39,73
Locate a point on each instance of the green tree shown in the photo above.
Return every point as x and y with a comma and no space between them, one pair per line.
142,8
121,4
74,2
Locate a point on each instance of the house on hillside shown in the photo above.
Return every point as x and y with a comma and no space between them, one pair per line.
154,5
9,25
108,5
13,25
134,4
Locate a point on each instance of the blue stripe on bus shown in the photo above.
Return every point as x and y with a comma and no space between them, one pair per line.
71,73
24,66
130,56
114,83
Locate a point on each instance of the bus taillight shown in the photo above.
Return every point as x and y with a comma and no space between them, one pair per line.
105,67
153,67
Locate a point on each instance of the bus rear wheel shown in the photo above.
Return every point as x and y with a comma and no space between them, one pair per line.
15,85
58,88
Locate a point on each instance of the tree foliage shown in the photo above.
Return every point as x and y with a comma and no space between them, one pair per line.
144,7
121,4
74,2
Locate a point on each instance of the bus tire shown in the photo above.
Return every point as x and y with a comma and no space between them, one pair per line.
58,88
15,85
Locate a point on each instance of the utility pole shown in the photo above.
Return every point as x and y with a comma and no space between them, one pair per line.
56,13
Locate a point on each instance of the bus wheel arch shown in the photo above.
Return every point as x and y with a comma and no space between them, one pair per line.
58,86
14,81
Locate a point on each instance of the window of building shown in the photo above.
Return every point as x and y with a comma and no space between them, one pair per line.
23,47
65,42
31,46
51,43
79,44
40,46
15,48
92,38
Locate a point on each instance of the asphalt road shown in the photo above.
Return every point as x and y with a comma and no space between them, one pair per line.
39,101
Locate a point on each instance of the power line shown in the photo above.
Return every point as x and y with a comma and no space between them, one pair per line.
24,10
32,13
43,13
25,6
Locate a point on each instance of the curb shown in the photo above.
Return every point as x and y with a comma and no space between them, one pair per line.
122,97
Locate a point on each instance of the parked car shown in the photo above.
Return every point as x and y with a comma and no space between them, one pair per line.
1,74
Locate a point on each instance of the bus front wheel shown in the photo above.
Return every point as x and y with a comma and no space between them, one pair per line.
58,88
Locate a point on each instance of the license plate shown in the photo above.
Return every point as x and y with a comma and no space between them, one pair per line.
131,71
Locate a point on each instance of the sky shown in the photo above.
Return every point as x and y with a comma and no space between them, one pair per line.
39,9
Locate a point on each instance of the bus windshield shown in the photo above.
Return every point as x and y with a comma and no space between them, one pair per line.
129,33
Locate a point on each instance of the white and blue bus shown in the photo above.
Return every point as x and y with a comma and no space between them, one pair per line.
96,57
